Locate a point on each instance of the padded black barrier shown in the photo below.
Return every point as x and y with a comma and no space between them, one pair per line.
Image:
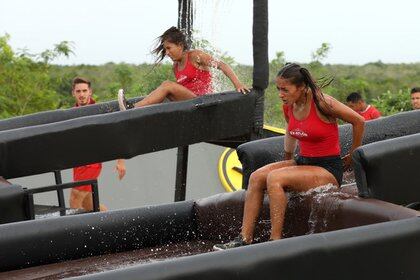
386,251
213,219
12,203
389,170
256,154
56,146
38,242
61,115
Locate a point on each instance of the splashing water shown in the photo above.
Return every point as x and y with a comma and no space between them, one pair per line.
322,208
208,22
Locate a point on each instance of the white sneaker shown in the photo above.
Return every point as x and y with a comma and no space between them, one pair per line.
122,102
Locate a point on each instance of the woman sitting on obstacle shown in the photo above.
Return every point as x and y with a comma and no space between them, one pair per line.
191,69
311,118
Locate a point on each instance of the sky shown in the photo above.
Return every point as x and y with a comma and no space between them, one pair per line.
101,31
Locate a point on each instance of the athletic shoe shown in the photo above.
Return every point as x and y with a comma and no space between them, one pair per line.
237,242
122,102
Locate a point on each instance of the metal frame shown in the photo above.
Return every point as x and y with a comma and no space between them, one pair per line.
29,193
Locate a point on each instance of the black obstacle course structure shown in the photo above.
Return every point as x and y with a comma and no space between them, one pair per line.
50,141
329,233
212,220
227,119
124,134
17,203
389,170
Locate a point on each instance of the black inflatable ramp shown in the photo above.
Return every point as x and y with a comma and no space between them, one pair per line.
58,115
57,145
172,241
388,170
356,253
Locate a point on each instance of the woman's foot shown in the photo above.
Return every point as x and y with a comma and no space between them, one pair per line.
122,101
237,242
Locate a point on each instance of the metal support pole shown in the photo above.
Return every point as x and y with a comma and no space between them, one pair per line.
181,173
60,193
31,206
185,18
185,22
260,56
95,196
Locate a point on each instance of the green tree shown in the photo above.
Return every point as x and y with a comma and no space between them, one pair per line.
25,83
390,103
320,54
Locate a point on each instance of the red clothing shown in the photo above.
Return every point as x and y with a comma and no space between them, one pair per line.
86,172
370,113
317,138
91,101
194,79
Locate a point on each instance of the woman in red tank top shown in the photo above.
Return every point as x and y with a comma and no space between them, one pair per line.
311,118
191,69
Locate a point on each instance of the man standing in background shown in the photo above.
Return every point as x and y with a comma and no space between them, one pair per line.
81,197
356,102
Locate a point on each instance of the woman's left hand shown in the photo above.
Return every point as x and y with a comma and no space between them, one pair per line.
347,160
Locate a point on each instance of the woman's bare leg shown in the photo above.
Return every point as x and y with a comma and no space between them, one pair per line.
168,89
296,178
255,195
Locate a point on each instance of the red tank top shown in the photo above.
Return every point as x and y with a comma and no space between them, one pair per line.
317,138
194,79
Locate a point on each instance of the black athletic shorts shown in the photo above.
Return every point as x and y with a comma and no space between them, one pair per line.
333,164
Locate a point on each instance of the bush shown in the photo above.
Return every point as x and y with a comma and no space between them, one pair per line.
390,103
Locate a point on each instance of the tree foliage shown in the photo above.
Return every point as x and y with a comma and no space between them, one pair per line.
30,83
25,82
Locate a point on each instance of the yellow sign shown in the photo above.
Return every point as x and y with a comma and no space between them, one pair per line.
230,168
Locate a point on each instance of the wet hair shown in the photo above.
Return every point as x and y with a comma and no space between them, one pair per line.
415,89
300,76
354,97
172,35
80,80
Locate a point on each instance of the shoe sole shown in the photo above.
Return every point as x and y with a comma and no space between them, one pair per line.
121,100
215,248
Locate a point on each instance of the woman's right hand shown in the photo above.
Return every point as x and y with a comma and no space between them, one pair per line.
347,161
242,88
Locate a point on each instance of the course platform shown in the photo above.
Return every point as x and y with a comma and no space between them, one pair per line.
115,244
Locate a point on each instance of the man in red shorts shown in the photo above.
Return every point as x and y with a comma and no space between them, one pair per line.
356,102
81,197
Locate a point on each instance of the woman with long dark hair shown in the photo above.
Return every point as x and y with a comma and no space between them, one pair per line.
312,120
191,69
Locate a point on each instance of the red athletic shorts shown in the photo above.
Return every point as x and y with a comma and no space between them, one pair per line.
86,172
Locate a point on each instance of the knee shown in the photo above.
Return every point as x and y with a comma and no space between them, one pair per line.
257,181
166,84
274,182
